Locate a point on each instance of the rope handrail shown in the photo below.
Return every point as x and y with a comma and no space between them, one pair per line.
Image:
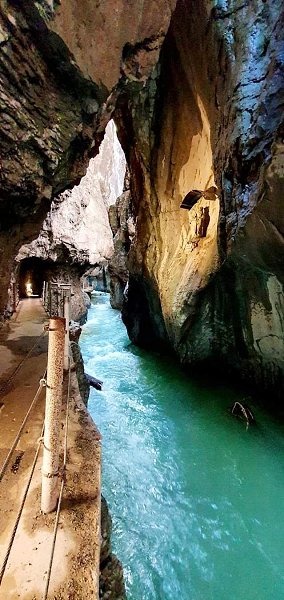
11,541
61,487
20,430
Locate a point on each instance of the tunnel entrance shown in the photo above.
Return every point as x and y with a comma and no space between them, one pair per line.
31,277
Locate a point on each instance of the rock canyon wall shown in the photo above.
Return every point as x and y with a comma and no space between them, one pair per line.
196,90
122,225
76,233
77,223
209,281
60,74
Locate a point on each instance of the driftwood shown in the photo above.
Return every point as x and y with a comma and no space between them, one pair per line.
94,382
243,411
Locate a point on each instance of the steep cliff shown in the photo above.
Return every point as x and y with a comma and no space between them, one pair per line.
196,89
76,232
123,228
77,226
209,281
61,69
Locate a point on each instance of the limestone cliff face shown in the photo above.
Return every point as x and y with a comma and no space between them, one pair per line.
209,281
123,228
77,226
76,232
196,89
62,66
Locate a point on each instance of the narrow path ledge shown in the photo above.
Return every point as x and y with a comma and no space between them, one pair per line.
75,568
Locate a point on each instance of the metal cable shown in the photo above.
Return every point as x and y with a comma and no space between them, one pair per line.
67,413
8,457
3,469
54,540
4,564
61,487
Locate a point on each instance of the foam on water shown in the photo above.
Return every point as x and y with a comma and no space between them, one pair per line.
196,500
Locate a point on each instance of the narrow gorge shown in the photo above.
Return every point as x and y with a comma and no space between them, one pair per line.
141,155
196,90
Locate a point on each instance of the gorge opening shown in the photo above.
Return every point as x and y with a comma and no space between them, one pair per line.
193,90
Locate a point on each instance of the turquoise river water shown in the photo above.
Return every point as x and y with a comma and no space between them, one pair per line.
196,500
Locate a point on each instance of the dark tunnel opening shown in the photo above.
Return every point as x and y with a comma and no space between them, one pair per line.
31,277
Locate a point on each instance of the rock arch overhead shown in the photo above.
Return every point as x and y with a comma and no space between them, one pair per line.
196,89
60,71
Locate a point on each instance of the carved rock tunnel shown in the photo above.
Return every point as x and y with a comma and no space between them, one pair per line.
32,272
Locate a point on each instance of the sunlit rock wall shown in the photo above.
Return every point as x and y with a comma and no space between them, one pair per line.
216,117
196,104
77,230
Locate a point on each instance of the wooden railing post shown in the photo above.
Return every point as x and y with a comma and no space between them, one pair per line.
54,380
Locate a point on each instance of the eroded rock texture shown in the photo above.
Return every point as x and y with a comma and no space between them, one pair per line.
123,228
111,585
209,281
198,105
76,232
77,223
62,66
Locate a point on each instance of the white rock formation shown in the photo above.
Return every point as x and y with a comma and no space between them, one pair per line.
77,225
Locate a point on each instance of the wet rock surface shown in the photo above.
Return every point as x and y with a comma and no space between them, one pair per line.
84,386
214,293
123,228
57,97
111,583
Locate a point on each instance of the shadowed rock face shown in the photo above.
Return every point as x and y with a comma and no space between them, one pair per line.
205,111
62,65
123,228
217,120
